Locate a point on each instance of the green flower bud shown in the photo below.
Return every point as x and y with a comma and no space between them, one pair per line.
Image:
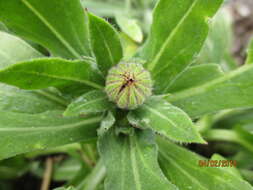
128,85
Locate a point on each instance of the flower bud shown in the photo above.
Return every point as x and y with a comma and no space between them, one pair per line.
128,85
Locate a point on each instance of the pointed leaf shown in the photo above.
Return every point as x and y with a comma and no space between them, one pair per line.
59,26
48,72
91,102
131,162
195,76
13,50
182,168
233,90
177,35
21,133
14,100
105,43
165,119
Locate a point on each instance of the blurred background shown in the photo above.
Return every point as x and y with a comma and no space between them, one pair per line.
227,42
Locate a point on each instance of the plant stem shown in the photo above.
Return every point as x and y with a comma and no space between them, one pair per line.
47,174
96,177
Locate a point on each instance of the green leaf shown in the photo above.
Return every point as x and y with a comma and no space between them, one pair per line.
182,168
105,42
165,119
21,133
132,160
51,72
15,100
65,188
177,35
217,48
195,76
91,102
59,26
13,50
130,27
233,90
104,8
13,168
232,170
250,53
107,122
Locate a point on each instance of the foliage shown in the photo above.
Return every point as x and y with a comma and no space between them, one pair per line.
54,60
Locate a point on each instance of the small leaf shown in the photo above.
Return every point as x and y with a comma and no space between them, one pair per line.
16,100
21,133
233,90
182,168
59,26
105,42
130,27
195,76
91,102
165,119
51,72
177,35
13,50
132,160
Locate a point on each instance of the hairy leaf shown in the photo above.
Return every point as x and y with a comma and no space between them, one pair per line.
48,72
15,100
195,76
91,102
61,29
131,162
105,43
13,50
165,119
21,133
177,35
182,168
233,90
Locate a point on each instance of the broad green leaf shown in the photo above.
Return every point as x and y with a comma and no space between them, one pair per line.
232,170
195,76
91,102
217,48
60,26
129,46
250,53
51,72
21,133
131,162
105,43
13,50
165,119
130,27
15,100
233,90
182,168
177,35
